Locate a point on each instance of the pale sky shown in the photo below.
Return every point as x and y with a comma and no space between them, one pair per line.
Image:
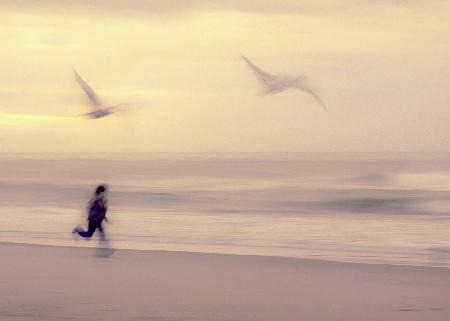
382,67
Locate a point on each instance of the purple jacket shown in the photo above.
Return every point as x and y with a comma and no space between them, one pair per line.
97,210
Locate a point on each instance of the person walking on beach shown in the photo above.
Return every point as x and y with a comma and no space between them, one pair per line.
96,209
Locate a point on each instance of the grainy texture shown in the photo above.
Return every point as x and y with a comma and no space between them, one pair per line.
61,283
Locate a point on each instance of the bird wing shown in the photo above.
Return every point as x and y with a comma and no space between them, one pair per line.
304,87
262,75
93,99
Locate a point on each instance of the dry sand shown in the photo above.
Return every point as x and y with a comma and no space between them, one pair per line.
62,283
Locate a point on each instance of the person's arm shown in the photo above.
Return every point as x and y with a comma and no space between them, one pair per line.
106,211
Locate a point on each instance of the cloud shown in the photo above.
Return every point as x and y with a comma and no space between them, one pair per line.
163,7
369,60
13,120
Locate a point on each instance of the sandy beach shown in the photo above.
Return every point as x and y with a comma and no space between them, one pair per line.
66,283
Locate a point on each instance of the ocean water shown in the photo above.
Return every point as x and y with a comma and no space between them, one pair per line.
358,207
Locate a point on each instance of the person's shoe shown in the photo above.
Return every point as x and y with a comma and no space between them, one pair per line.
76,229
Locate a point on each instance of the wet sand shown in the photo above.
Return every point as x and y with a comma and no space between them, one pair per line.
64,283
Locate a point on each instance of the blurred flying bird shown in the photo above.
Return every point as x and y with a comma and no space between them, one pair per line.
273,84
99,110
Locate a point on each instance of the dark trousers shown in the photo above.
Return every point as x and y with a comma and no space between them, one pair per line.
93,225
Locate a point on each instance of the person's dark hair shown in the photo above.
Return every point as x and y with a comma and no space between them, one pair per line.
100,189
